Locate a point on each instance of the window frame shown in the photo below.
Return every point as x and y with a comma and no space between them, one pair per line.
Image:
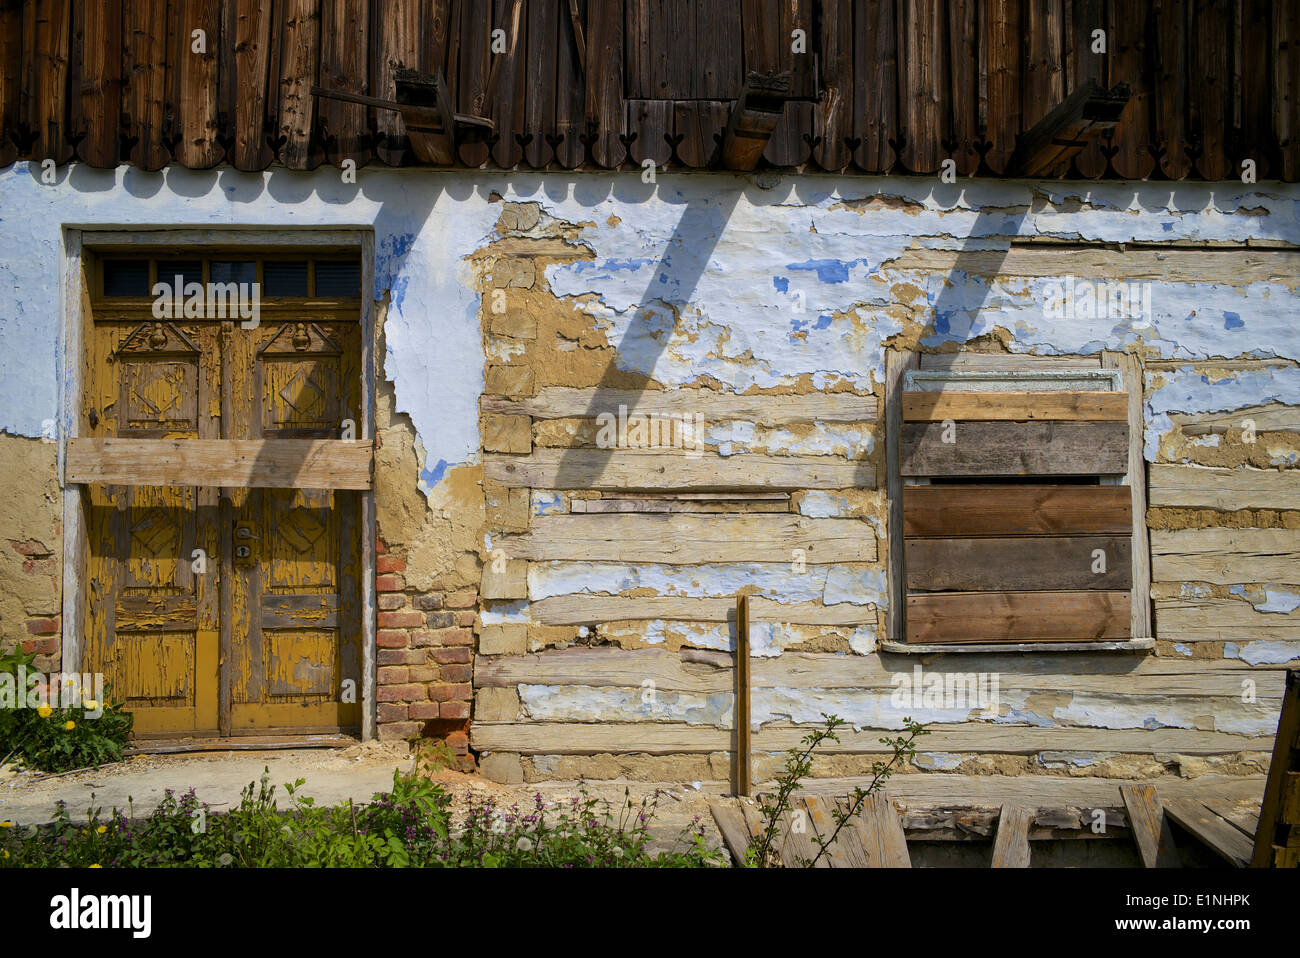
904,368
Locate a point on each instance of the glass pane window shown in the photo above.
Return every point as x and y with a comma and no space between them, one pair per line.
126,277
234,271
189,270
281,278
338,279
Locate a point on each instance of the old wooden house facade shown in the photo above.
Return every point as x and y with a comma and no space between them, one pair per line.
448,369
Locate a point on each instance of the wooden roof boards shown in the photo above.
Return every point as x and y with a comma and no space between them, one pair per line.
877,86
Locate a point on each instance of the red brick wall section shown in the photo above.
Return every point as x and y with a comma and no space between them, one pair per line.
41,628
425,650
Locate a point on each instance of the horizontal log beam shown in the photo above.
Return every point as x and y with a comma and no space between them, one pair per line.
662,738
937,406
565,402
1225,556
687,540
595,609
626,470
1217,488
691,671
231,463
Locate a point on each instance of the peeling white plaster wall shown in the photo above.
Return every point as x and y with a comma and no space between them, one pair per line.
423,227
701,275
1186,390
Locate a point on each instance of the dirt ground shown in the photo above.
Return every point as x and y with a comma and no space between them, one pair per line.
332,775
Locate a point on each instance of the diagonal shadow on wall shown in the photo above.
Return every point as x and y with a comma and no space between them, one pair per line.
673,281
956,309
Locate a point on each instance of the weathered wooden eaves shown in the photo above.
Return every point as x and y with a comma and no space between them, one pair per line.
876,86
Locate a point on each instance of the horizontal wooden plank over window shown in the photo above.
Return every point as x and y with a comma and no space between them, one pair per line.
979,617
1039,563
1015,406
1029,510
1013,448
249,463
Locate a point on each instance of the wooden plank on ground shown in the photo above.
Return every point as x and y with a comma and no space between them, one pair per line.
1225,556
1019,564
978,617
629,470
1011,844
687,539
564,402
797,845
1238,814
1013,448
1213,831
1213,488
235,463
1151,831
943,511
846,851
881,832
754,822
731,823
1015,406
582,609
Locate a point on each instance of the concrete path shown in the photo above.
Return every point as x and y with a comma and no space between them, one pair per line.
333,775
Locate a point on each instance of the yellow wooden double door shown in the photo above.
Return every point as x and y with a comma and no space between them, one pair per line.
224,611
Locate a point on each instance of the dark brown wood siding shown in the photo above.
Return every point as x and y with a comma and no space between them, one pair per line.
878,86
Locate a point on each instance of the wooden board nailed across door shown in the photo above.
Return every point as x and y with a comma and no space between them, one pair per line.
224,611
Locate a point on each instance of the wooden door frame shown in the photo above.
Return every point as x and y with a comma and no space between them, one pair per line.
77,241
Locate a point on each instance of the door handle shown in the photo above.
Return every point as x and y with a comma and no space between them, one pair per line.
244,553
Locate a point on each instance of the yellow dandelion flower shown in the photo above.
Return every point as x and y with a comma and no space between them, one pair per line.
44,711
6,824
96,866
90,705
69,725
101,829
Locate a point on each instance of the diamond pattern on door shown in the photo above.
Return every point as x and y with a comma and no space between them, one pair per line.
224,611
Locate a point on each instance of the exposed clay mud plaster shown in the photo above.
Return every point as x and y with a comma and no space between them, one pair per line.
1204,388
31,547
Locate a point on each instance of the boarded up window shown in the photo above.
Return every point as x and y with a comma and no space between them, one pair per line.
1017,522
